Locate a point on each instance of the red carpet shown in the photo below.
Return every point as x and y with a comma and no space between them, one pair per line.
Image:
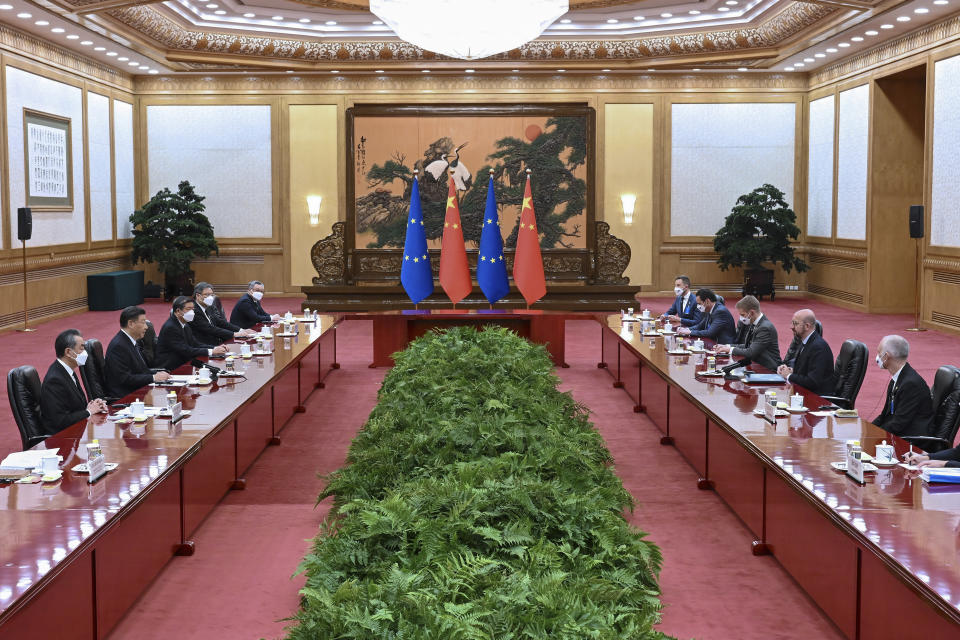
238,585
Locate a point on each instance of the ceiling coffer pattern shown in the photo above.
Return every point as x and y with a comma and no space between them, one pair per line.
171,35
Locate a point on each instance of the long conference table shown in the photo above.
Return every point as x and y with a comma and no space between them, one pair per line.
75,556
881,559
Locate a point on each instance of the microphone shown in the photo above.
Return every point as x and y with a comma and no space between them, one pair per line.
734,365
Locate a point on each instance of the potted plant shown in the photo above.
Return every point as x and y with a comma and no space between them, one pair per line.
758,231
171,230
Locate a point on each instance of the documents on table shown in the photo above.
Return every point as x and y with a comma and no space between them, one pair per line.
27,459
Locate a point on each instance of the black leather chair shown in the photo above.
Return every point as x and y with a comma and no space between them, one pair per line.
148,344
851,366
94,372
23,390
946,412
794,349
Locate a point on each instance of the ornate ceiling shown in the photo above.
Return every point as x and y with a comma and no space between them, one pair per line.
343,36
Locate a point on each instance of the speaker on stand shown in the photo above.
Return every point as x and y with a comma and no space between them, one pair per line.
916,231
24,231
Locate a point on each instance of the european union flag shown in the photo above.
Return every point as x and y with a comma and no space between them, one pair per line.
416,276
491,270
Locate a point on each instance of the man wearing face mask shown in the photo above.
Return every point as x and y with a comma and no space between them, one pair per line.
176,344
716,323
62,399
209,326
761,344
683,311
248,312
908,407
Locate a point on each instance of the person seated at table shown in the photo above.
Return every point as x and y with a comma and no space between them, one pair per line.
716,322
760,344
126,369
248,312
208,325
908,407
176,344
945,458
683,311
62,398
813,368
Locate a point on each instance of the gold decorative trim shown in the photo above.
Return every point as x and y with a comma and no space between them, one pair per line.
44,261
34,48
910,44
834,252
510,84
943,263
45,312
168,33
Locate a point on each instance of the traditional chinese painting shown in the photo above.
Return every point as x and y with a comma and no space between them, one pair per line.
464,148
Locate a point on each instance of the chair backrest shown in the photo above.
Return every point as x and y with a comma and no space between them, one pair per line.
218,306
819,328
94,370
148,344
23,390
946,403
851,366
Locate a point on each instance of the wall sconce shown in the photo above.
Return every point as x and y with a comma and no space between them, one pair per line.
313,207
628,200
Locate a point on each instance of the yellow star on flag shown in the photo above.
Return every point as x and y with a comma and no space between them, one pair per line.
416,259
482,259
413,220
456,226
527,203
450,201
446,224
489,221
424,256
406,257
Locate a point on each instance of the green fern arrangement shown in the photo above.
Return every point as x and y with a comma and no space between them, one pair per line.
479,502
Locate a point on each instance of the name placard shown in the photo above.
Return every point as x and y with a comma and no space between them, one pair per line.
97,466
855,465
176,412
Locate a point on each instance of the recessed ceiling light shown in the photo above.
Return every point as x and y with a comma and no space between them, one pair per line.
605,70
639,17
330,23
112,54
723,9
808,60
6,7
819,55
277,18
99,48
903,18
221,12
799,64
831,50
41,23
565,21
144,67
57,30
921,10
378,22
666,15
886,26
857,38
334,71
424,70
732,3
304,20
86,43
378,71
694,12
561,70
843,45
153,72
73,36
213,6
941,2
741,68
788,68
696,69
122,59
24,15
872,33
468,70
249,15
514,70
133,63
612,21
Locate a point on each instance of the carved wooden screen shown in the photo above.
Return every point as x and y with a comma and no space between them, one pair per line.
386,143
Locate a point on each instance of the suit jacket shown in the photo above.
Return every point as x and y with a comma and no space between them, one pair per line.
689,314
209,327
126,368
717,325
814,367
248,312
912,406
761,345
742,331
61,402
952,456
176,345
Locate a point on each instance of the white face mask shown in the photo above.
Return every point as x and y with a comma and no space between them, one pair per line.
208,301
678,291
879,361
744,319
257,295
701,308
81,358
188,316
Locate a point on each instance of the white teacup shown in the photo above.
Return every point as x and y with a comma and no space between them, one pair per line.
796,401
204,373
646,313
698,344
137,409
244,349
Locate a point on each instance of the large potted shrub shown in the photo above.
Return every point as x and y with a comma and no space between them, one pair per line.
171,231
757,233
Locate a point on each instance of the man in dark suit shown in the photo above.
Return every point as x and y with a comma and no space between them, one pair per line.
813,368
126,368
761,344
908,407
208,325
683,311
248,312
716,323
62,399
176,344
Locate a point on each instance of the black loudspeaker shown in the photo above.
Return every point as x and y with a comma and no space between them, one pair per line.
24,223
916,221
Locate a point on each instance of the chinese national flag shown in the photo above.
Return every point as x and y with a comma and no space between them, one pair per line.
454,270
527,262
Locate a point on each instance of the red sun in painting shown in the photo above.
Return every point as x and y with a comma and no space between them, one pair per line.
533,132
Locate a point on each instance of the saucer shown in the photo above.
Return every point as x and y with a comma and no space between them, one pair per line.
797,409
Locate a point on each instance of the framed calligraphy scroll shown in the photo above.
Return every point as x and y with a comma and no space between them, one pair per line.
48,161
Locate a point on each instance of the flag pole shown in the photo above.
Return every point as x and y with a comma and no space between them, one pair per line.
528,172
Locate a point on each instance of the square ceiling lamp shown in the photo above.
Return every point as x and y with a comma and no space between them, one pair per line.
467,29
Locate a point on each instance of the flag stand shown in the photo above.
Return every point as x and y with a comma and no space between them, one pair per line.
25,328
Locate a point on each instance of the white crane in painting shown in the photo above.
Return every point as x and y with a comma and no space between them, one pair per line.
461,175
